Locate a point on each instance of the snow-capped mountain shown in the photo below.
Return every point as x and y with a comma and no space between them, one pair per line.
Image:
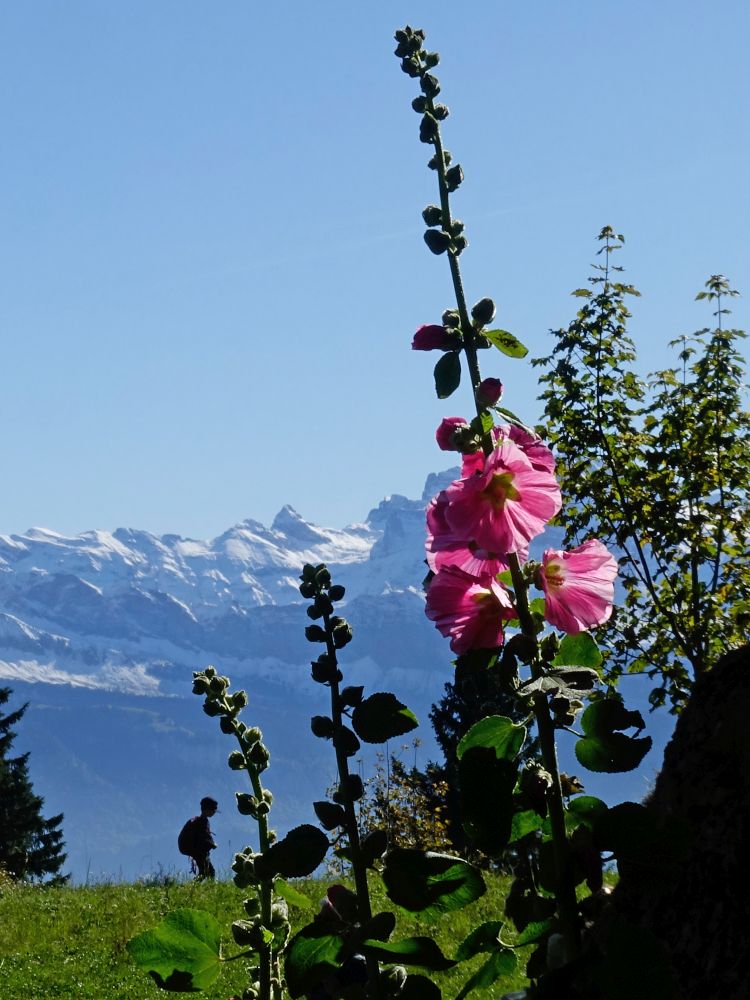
101,633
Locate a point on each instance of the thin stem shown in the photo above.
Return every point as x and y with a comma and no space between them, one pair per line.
364,908
265,952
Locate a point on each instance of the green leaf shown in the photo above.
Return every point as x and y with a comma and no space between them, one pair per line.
604,748
447,374
506,342
419,988
291,895
381,717
524,822
585,810
482,938
312,955
428,883
497,733
297,854
500,963
578,651
486,784
533,932
182,954
422,951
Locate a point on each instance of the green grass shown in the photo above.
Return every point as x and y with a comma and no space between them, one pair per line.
70,941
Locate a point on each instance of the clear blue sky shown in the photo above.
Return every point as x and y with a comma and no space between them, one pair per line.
211,255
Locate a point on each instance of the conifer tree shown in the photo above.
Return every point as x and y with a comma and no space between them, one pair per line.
30,845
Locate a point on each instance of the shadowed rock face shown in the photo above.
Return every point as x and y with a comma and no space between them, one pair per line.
698,907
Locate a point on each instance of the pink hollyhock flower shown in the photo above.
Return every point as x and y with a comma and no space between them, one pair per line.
444,435
579,586
532,446
444,548
503,505
470,612
433,338
489,391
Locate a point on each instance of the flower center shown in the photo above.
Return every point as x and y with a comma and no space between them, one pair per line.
554,574
500,489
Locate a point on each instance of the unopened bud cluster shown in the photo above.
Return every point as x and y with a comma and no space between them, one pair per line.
444,234
220,702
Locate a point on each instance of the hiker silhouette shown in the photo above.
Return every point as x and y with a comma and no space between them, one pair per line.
196,840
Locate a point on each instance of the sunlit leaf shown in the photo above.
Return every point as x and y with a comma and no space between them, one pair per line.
506,342
496,732
182,953
421,951
312,955
500,963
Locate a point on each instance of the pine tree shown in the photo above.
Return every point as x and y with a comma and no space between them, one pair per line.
30,845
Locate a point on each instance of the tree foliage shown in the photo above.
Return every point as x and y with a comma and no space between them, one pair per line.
31,846
658,467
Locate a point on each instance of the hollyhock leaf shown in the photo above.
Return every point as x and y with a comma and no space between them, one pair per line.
429,883
291,895
312,956
421,951
533,932
585,809
578,679
329,814
381,717
524,822
345,740
447,374
419,988
604,747
506,342
373,847
482,938
501,962
486,785
578,650
182,953
496,732
297,854
381,926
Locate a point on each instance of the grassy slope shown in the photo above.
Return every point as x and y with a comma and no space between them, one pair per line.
70,942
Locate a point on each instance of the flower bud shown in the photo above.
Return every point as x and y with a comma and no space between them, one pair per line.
200,684
451,319
445,435
236,760
307,589
460,243
212,709
454,177
322,576
247,804
259,756
322,727
428,129
342,634
419,104
336,593
314,633
323,670
217,685
489,391
430,86
432,215
226,725
441,112
210,672
437,240
432,337
410,66
483,312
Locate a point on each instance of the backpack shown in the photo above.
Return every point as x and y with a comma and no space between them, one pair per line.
186,841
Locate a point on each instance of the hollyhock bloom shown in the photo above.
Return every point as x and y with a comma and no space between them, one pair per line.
444,435
433,338
503,505
489,391
578,586
467,610
445,548
532,446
